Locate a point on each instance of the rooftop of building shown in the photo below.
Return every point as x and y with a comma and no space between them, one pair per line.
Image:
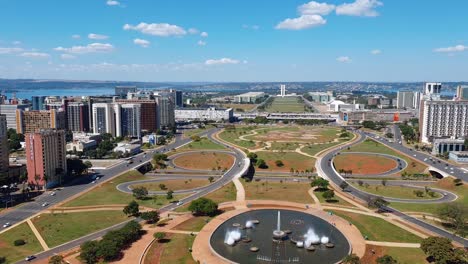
461,154
252,94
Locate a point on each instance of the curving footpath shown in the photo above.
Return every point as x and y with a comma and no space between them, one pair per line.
326,170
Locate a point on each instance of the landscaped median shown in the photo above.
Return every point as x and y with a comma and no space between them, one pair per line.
14,253
273,190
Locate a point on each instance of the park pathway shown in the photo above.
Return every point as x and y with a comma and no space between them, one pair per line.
38,235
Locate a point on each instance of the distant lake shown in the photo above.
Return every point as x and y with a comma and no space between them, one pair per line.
29,93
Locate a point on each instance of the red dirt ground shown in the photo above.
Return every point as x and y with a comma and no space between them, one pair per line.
364,164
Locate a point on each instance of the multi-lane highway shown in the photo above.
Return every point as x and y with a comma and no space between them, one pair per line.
325,167
27,210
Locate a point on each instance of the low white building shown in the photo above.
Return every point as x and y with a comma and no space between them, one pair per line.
459,156
337,105
131,149
249,97
152,139
83,141
210,114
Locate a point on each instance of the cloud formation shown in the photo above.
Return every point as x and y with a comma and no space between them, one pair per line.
203,34
141,42
76,36
201,43
90,48
376,52
315,8
157,29
67,57
364,8
112,3
10,50
302,22
97,36
457,48
221,61
35,55
344,59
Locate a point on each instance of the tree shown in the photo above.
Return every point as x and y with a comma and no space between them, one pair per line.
320,183
169,195
2,260
203,206
377,202
441,251
211,179
351,259
458,182
360,182
88,165
159,236
88,252
279,163
151,216
56,259
389,135
328,194
344,185
140,193
195,138
162,186
456,214
132,209
369,124
253,157
418,193
261,164
386,259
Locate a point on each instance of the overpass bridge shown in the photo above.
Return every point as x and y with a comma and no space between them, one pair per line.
288,116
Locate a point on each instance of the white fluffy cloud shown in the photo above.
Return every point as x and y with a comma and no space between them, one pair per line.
97,36
193,31
35,55
203,34
76,36
10,50
344,59
221,61
376,52
90,48
201,43
315,8
302,22
67,57
457,48
359,8
112,3
142,42
160,29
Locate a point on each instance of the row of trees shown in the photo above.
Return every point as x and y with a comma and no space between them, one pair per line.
111,245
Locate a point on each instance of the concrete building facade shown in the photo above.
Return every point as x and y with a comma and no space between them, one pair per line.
249,97
32,121
78,117
165,111
210,114
9,110
46,157
408,100
4,149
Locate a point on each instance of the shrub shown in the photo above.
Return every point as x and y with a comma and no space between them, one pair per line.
19,242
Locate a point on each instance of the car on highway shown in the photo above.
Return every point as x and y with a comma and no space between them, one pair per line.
295,180
45,204
6,225
29,258
52,194
180,203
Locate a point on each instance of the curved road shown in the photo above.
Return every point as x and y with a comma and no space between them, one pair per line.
324,165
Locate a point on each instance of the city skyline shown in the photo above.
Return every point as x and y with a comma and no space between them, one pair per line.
363,40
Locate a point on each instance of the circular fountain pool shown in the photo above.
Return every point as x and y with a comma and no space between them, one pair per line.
305,238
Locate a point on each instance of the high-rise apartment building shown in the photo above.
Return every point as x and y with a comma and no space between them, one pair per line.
443,119
408,99
9,110
462,92
38,102
103,118
78,117
166,114
32,121
149,115
45,154
179,99
117,119
432,91
4,161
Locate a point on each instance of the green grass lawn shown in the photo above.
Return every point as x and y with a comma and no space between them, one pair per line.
176,251
286,104
224,194
57,229
335,201
407,255
313,149
107,193
194,224
191,132
395,192
204,143
372,146
290,160
284,146
14,253
377,229
232,136
287,191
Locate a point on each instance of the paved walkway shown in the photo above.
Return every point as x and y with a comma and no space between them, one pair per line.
38,235
393,244
314,197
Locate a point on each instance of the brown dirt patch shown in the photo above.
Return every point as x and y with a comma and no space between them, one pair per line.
204,161
364,163
372,253
155,251
174,185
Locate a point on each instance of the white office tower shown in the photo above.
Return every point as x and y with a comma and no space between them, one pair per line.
166,112
103,119
282,90
128,124
432,91
408,100
443,119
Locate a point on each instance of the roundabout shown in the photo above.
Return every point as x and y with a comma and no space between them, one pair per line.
369,164
202,160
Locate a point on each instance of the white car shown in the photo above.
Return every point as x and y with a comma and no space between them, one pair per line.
45,204
52,194
6,225
180,203
414,155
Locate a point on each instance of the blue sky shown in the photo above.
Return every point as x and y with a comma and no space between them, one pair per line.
234,40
